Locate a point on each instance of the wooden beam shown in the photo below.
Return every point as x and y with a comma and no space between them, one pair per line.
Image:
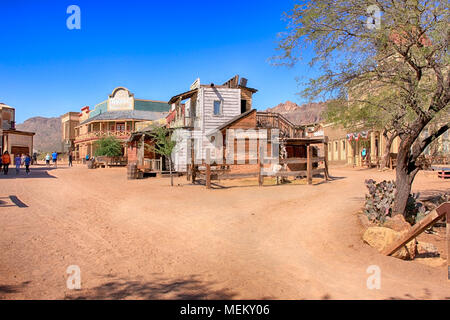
419,227
208,170
309,164
260,167
448,244
301,160
325,162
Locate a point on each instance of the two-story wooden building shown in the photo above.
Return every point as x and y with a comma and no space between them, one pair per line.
118,116
204,108
12,140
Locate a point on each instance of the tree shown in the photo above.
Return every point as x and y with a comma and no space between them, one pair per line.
108,146
395,59
163,145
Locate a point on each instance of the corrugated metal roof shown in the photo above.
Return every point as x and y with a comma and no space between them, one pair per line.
127,115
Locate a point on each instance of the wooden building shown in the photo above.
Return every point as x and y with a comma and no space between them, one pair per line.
12,140
204,108
118,116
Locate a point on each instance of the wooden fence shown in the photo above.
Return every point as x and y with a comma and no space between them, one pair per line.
208,172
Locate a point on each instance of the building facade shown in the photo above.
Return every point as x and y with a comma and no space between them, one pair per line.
345,147
203,109
12,140
117,116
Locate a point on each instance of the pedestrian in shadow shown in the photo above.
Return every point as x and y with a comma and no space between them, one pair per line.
6,160
17,162
27,162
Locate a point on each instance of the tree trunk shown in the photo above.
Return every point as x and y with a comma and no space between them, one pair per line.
405,173
170,170
387,149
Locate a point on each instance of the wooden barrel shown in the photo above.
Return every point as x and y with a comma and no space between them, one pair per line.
132,171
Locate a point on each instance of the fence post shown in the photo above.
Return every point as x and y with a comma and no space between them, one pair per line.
260,167
208,170
448,244
308,164
325,160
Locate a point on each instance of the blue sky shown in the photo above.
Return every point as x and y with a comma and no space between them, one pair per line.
154,48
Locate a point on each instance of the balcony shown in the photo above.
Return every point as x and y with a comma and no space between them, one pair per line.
95,135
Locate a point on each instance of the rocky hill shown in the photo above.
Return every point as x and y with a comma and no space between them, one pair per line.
48,133
300,115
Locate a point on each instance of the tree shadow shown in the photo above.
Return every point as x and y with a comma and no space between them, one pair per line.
426,296
188,288
14,201
8,289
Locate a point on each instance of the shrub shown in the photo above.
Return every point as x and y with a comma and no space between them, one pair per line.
108,146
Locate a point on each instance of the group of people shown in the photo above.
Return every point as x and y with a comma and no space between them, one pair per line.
19,160
26,160
54,158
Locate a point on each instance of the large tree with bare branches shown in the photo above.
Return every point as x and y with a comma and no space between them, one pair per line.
385,58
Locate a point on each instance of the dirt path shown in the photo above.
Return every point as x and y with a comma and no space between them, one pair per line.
143,239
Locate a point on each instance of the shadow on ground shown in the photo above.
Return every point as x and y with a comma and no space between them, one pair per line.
8,289
12,201
35,172
188,288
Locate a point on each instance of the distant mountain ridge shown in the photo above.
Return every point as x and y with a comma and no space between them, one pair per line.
48,133
301,115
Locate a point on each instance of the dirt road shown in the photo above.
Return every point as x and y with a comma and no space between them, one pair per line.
143,239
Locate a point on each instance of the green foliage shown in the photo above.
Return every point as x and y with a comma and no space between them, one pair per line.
379,201
108,146
392,77
163,143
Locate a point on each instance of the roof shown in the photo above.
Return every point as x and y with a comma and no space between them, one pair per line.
232,120
183,96
127,115
14,131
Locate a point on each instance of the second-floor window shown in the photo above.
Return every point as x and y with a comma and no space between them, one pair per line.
120,127
217,107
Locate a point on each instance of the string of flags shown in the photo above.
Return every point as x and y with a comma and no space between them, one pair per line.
357,136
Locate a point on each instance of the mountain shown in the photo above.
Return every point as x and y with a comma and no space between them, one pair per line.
48,133
300,115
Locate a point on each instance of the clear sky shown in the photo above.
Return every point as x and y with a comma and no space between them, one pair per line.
154,48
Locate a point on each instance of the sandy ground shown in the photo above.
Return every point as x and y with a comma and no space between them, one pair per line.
143,239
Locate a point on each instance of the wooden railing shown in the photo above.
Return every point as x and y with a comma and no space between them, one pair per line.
101,134
277,121
153,165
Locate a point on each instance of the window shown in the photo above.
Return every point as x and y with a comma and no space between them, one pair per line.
120,127
217,107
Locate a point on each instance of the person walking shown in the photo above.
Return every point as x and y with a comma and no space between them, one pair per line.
47,159
34,158
17,162
27,162
55,159
70,159
6,160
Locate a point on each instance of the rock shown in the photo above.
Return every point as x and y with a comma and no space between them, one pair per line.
397,223
381,237
426,249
